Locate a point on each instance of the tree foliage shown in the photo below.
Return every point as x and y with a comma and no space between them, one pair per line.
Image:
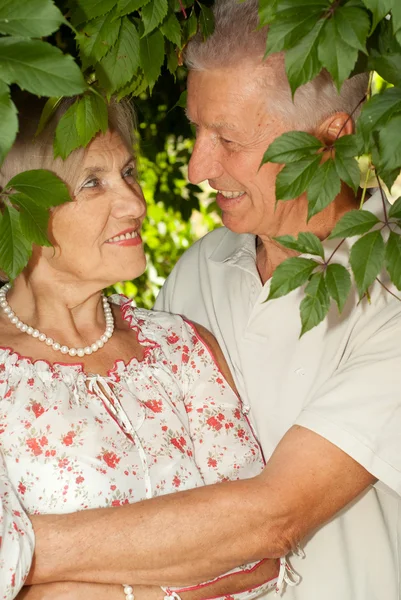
98,48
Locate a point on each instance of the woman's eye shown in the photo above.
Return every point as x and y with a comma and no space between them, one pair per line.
91,183
130,172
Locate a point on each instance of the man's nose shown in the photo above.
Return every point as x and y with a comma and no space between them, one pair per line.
204,163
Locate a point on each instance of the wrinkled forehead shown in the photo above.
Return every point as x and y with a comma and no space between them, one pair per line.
106,150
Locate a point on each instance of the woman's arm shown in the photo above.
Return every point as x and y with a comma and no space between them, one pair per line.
16,539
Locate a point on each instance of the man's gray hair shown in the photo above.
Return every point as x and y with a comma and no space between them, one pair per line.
238,38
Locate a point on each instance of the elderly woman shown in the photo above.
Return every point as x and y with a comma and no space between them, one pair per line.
101,403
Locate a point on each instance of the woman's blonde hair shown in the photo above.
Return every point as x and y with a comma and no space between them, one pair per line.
31,151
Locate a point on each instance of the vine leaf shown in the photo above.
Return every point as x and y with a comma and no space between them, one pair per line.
36,18
379,9
377,112
338,282
388,66
295,177
151,50
267,11
291,147
120,64
342,37
91,117
390,145
125,7
324,186
396,19
289,275
33,219
307,243
39,68
67,138
85,10
44,188
206,21
97,38
315,306
366,258
302,63
15,250
393,258
171,29
354,222
395,210
8,120
153,14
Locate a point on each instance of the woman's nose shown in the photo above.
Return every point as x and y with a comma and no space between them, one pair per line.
129,201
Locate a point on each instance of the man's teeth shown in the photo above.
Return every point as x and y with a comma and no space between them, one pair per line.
125,236
231,194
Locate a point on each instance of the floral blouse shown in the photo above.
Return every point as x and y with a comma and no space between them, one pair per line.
71,440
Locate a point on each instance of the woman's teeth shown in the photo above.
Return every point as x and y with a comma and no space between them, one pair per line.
124,236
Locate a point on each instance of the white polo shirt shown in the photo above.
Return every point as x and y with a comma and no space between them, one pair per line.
341,380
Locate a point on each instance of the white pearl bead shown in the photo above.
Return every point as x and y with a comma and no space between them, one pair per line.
64,349
72,351
35,333
49,341
88,350
14,320
108,333
104,339
128,589
81,352
3,304
24,328
56,346
29,330
100,343
42,337
19,325
129,596
94,347
7,310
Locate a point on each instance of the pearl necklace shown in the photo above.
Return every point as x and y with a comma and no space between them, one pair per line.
35,333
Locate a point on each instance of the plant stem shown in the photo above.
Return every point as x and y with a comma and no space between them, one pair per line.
383,197
387,290
365,187
334,251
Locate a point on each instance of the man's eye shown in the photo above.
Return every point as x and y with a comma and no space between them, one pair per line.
225,141
91,183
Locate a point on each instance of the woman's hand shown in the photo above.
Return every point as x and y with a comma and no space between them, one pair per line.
86,591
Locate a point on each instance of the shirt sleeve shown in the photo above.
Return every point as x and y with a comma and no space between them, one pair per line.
16,539
359,408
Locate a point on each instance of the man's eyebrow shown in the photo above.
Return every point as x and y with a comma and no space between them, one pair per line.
216,125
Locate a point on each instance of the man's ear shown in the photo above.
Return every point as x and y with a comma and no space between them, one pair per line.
333,127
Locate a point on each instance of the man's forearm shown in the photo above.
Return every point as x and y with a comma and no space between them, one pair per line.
180,539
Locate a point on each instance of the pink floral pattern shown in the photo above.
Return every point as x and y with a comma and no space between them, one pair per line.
71,441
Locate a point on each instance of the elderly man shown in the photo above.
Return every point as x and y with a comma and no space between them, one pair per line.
327,407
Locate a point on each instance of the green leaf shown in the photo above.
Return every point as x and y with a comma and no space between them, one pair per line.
294,178
395,210
151,50
125,7
354,222
15,251
35,18
289,275
206,21
301,62
343,36
121,63
388,66
86,10
267,11
323,188
44,188
91,117
48,111
172,61
378,111
291,25
40,68
171,30
67,138
292,146
366,258
379,9
153,14
315,306
347,146
390,144
338,282
396,19
33,220
393,258
8,120
348,171
307,243
97,38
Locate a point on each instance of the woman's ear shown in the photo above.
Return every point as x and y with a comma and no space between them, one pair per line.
334,127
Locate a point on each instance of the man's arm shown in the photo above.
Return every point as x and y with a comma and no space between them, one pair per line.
192,536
